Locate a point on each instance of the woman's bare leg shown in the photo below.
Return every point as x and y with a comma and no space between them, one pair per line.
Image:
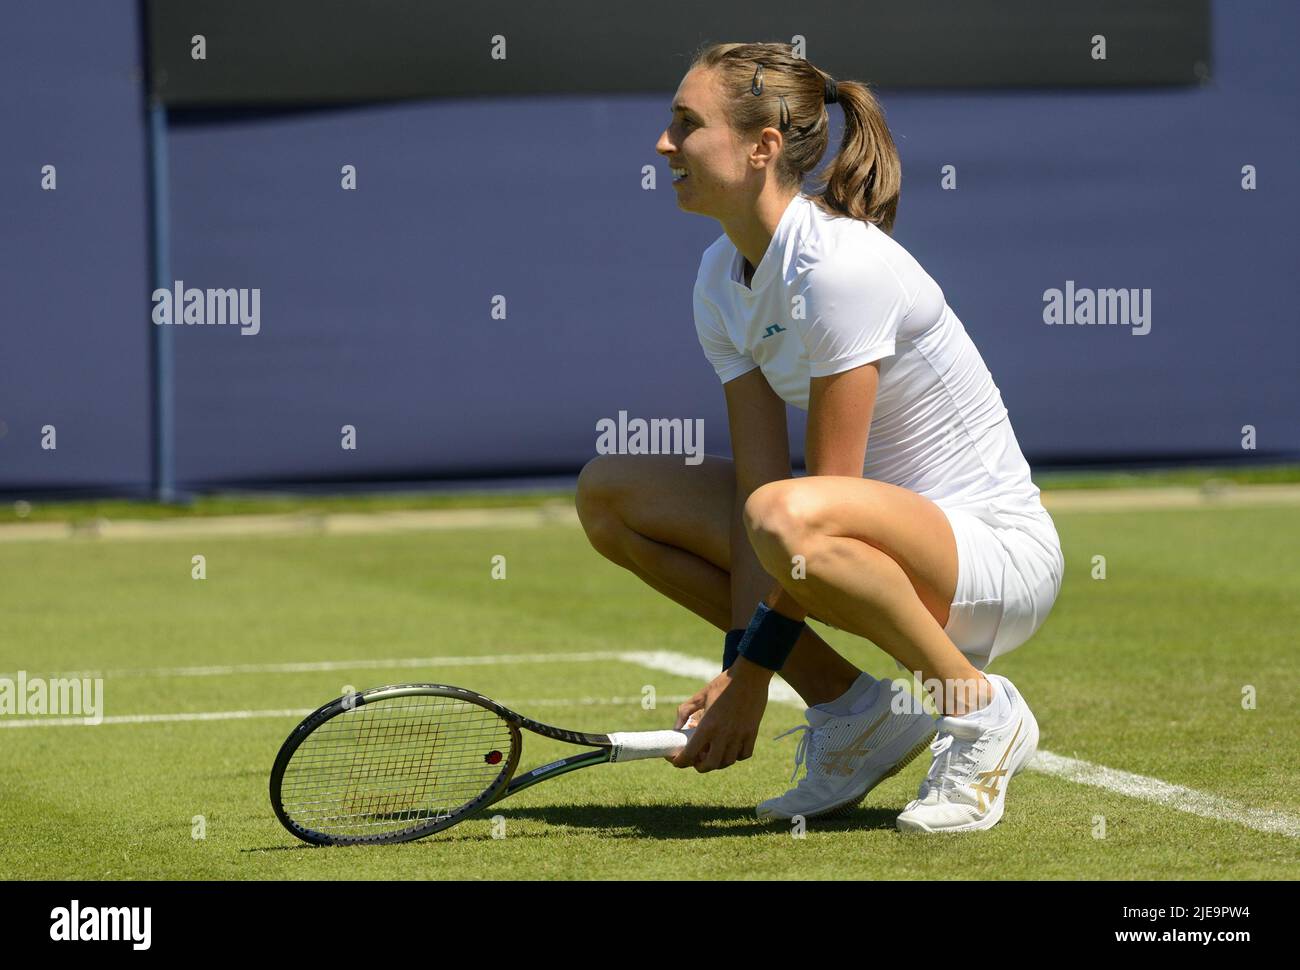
669,524
866,544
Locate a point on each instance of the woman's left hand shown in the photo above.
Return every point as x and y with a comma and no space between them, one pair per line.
728,726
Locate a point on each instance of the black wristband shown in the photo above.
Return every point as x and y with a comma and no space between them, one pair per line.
731,648
770,637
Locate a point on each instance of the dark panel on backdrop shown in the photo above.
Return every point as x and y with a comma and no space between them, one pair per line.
314,51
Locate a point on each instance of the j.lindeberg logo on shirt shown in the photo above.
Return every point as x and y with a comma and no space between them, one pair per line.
773,329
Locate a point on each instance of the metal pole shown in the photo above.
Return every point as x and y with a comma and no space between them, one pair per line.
164,419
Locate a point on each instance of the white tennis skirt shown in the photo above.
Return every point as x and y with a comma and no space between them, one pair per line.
1009,572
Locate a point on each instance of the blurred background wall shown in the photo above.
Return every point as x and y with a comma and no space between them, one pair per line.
74,262
376,304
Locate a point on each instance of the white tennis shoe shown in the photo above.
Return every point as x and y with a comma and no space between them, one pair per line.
847,756
966,787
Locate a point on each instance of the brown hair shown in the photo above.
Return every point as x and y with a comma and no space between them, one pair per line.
864,179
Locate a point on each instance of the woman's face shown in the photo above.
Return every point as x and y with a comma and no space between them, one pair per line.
700,141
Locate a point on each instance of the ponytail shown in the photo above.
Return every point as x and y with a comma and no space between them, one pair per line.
865,178
767,85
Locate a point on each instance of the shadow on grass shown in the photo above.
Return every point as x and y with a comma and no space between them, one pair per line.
666,822
684,821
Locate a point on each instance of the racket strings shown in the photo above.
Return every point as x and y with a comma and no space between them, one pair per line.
392,763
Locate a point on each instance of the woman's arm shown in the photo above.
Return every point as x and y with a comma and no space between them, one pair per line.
760,446
839,417
839,414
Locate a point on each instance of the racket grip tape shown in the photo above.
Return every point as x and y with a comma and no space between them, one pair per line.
634,745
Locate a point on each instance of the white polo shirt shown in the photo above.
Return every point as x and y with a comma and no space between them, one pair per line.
831,294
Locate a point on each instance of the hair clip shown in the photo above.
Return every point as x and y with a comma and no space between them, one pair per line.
756,85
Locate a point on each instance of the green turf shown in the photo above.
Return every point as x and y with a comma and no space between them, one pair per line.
256,503
1203,476
1140,671
230,503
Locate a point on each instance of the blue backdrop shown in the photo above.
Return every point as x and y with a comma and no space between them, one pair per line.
74,262
376,304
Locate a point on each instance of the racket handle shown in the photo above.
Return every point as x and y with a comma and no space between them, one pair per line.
633,745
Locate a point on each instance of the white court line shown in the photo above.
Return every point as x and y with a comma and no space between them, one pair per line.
696,668
1071,769
679,664
317,666
1125,783
1163,793
38,722
524,705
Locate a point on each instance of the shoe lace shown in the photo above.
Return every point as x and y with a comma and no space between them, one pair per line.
953,761
801,752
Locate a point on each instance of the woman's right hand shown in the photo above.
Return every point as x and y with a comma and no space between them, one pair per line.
688,710
689,713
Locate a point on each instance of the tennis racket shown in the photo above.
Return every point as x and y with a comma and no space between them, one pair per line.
398,763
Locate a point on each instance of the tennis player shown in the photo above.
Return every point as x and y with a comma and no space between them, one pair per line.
917,526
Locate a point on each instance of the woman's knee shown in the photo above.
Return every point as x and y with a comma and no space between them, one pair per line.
658,498
780,515
599,484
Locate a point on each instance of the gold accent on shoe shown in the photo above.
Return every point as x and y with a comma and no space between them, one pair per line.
988,780
841,762
902,763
